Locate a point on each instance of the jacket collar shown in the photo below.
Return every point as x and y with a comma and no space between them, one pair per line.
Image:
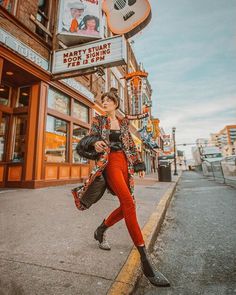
109,121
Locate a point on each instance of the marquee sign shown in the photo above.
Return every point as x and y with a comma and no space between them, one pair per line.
108,52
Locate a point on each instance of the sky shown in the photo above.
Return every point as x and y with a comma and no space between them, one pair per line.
189,51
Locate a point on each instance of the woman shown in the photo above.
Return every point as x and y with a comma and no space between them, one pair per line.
118,161
90,25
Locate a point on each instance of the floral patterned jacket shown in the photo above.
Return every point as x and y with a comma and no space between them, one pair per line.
101,125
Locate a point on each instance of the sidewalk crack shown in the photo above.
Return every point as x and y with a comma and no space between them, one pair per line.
55,268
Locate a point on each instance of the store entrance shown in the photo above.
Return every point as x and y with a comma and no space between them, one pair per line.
15,96
13,131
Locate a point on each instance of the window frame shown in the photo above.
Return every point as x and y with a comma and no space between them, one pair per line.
71,120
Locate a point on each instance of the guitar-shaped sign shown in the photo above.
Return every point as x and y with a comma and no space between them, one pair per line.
127,17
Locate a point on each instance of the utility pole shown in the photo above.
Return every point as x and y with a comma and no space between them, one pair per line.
173,135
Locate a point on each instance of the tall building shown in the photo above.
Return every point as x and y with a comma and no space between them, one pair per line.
225,139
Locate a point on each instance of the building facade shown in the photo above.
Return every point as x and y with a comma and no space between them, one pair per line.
225,139
42,119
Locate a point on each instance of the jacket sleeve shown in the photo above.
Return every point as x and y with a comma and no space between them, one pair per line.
138,164
95,126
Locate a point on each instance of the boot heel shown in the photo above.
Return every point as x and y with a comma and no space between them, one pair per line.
154,276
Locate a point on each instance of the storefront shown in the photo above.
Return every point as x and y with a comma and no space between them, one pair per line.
41,121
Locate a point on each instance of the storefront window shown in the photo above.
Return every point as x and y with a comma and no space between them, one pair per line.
4,95
81,111
3,129
78,133
58,101
56,140
19,138
24,96
7,4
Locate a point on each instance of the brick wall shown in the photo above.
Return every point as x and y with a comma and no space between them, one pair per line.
17,32
24,9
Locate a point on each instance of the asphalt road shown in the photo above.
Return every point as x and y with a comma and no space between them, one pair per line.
196,248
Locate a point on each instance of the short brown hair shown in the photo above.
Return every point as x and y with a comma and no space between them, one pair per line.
113,95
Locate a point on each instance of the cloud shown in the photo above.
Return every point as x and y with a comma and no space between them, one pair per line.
189,50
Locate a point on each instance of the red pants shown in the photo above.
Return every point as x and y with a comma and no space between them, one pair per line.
117,178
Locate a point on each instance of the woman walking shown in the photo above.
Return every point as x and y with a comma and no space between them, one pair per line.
117,163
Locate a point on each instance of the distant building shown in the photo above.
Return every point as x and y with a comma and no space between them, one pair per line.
225,139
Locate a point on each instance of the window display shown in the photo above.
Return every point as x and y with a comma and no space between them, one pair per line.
56,147
78,133
24,96
4,95
81,111
58,101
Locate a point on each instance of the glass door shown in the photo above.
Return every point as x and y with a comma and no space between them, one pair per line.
4,127
19,138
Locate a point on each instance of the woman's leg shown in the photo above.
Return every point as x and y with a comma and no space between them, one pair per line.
114,217
116,181
117,214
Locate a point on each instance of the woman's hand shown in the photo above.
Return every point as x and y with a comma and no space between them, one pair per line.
141,174
100,146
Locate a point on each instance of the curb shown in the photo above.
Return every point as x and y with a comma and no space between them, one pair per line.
128,276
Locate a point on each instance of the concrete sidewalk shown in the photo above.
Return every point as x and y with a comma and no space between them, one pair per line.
47,244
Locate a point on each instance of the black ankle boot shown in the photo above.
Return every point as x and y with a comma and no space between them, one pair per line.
153,275
99,235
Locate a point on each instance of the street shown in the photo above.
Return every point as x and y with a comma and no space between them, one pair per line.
196,248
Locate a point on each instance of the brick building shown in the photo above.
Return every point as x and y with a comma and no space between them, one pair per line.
225,139
43,119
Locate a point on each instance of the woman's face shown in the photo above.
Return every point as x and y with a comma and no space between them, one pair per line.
108,104
91,24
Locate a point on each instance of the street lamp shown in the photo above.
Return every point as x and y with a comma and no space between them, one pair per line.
173,134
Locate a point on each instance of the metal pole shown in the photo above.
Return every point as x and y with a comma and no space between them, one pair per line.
175,172
222,171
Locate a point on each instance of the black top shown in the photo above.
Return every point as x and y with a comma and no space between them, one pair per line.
115,140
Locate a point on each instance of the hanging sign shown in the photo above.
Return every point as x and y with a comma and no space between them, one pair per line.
108,52
127,17
79,21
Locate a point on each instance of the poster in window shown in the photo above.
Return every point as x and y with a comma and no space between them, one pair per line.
79,20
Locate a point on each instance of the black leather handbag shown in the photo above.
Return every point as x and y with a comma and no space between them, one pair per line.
92,195
94,192
85,148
